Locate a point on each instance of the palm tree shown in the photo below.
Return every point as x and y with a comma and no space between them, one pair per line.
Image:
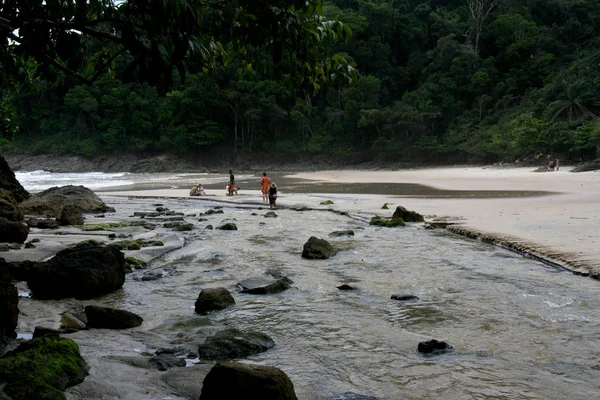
575,101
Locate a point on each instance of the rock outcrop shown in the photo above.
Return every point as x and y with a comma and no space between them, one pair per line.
85,271
9,182
50,202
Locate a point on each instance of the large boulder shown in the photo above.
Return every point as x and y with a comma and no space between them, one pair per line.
229,380
316,248
84,271
407,216
13,231
111,318
8,206
9,182
9,307
41,368
233,343
213,299
51,202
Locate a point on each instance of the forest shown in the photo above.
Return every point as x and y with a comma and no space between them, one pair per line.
412,80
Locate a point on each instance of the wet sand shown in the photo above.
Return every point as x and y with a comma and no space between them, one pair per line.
552,215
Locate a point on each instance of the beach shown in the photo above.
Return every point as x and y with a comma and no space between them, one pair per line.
558,226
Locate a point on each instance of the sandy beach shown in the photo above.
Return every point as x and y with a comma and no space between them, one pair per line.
560,226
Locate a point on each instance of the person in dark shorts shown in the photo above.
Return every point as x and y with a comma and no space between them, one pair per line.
273,195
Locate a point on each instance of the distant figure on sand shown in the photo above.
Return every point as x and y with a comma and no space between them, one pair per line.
231,187
273,195
197,190
553,165
265,182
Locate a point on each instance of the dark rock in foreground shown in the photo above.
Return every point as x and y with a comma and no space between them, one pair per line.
407,216
51,202
317,249
404,297
433,347
13,231
9,307
248,382
84,271
233,343
213,299
111,318
263,285
41,368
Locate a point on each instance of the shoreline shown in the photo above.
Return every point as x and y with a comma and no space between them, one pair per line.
558,227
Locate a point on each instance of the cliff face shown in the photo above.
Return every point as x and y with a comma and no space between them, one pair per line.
9,182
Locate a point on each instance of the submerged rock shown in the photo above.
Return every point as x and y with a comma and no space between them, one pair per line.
233,343
404,297
213,299
351,396
246,381
111,318
229,226
345,287
41,368
263,285
316,248
271,214
433,347
348,232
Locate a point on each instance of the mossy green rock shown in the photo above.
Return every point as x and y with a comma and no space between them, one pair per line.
326,202
390,223
317,249
42,368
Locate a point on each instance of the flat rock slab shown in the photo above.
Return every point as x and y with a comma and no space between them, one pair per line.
263,285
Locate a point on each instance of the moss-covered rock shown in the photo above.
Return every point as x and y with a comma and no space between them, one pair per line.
407,216
212,299
326,202
127,245
387,222
42,368
316,248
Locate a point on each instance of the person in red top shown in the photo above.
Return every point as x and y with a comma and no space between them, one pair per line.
265,183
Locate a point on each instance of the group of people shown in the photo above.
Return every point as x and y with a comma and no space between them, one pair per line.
268,189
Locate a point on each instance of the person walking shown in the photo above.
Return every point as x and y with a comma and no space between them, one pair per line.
273,195
265,183
231,186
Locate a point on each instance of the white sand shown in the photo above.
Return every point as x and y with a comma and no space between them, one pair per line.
562,226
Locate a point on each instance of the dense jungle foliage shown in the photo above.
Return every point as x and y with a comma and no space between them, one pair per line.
428,80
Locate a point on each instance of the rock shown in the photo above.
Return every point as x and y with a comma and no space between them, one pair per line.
13,231
184,227
351,396
208,227
245,381
9,307
341,233
46,223
9,182
84,271
271,214
263,285
326,202
433,346
165,361
233,343
213,299
8,206
407,216
229,226
404,297
41,368
316,248
387,222
345,287
215,211
111,318
71,214
51,202
40,331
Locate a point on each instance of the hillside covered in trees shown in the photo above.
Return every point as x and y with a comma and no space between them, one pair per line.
428,80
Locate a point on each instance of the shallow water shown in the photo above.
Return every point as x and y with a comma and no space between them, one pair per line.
520,329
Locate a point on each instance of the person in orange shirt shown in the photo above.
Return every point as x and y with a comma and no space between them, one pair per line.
265,182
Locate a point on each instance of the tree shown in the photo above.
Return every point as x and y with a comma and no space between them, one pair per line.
479,11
